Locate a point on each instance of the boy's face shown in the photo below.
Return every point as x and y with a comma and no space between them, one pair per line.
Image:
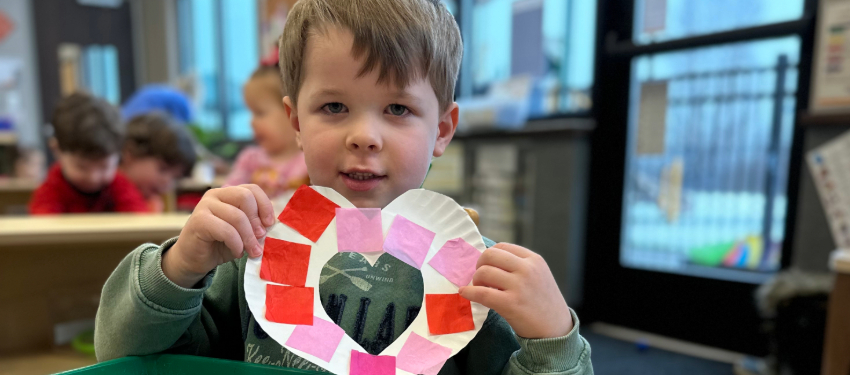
86,174
370,142
151,175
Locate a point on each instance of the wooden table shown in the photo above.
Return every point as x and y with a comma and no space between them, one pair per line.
45,362
53,268
15,195
836,352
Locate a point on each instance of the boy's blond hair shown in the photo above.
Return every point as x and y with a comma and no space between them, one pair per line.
405,39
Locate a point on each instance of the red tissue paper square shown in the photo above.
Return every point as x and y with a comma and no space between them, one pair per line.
448,313
285,262
289,304
308,212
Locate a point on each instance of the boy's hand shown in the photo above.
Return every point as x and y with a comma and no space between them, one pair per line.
225,222
517,283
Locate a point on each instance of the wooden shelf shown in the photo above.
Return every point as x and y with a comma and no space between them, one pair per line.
8,139
547,127
188,184
839,261
18,185
44,362
824,119
88,228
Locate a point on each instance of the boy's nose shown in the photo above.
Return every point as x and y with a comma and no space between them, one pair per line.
364,137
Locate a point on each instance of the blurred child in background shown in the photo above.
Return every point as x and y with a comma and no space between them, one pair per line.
277,165
157,152
159,97
176,101
87,141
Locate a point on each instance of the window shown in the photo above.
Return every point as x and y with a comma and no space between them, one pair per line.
219,44
709,142
660,20
93,68
549,41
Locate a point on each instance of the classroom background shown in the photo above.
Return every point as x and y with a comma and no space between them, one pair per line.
682,165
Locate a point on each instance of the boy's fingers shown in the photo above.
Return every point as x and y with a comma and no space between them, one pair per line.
245,199
499,258
265,210
237,219
219,230
492,277
489,297
515,250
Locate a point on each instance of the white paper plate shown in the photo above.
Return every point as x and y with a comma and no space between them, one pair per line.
433,211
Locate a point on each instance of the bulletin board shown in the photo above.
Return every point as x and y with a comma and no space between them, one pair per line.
831,68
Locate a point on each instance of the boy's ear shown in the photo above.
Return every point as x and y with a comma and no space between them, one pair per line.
293,119
446,129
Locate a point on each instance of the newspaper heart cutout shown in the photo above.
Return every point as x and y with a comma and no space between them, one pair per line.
290,310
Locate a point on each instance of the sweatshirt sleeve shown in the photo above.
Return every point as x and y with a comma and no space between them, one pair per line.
496,349
142,312
564,355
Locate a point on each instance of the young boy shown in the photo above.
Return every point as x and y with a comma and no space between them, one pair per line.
370,85
157,151
86,142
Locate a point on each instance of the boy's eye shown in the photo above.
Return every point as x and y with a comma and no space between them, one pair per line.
397,109
334,107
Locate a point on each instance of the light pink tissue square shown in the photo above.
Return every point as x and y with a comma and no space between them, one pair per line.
408,241
456,261
321,339
418,355
359,230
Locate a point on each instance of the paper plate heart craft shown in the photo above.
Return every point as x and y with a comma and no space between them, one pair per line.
424,229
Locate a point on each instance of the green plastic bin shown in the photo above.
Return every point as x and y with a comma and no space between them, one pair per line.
172,364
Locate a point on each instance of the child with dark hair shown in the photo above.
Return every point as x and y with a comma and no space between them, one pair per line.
87,140
157,151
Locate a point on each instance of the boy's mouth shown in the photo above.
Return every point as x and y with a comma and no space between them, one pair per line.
361,180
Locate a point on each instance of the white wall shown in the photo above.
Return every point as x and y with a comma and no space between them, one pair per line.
21,44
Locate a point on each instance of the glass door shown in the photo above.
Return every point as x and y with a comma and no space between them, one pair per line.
692,163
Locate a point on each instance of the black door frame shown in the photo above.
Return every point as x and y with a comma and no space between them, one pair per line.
707,311
67,21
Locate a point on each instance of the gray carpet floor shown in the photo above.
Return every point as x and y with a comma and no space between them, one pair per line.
614,357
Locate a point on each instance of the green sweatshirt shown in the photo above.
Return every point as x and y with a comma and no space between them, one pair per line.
142,312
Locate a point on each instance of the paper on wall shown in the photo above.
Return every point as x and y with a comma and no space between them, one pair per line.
830,168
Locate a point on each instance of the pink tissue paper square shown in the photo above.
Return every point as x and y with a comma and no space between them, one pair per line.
456,261
421,356
367,364
320,340
359,230
408,241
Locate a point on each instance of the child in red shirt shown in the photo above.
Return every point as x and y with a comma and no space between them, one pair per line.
87,139
157,151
